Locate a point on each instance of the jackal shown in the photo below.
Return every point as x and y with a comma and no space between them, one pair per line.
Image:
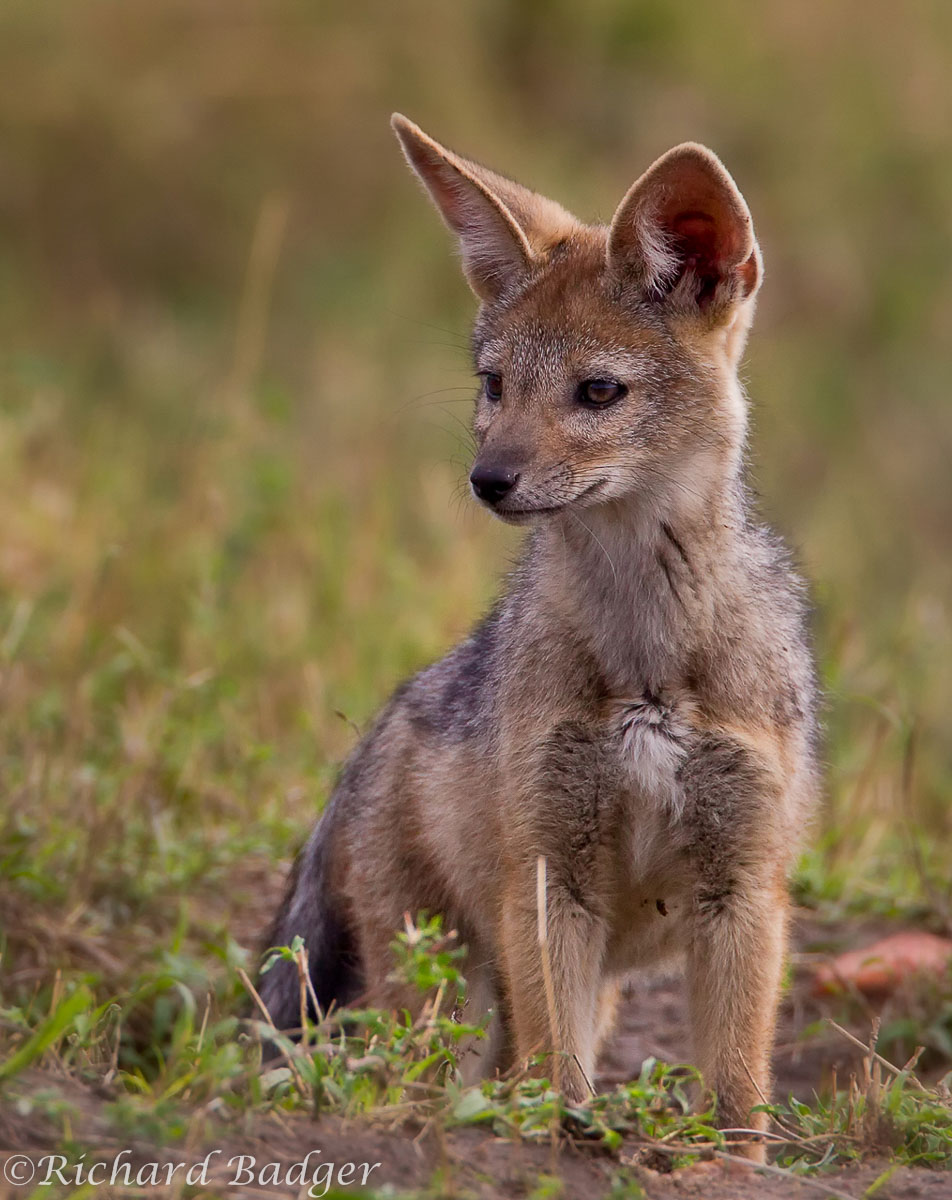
639,708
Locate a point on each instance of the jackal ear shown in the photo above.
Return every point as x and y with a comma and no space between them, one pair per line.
684,231
503,228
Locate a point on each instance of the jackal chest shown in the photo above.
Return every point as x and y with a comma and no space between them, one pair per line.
653,736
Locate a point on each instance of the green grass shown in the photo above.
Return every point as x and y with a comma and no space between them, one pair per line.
209,1074
233,400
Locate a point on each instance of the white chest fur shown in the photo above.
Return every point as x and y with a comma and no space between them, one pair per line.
654,736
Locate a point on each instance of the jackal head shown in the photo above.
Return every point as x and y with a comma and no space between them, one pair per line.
607,354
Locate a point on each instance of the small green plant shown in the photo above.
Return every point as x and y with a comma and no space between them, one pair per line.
355,1060
429,958
365,1060
73,1010
886,1110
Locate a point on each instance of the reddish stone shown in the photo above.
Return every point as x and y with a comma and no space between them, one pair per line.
880,968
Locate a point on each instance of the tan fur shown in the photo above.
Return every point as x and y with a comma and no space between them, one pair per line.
639,709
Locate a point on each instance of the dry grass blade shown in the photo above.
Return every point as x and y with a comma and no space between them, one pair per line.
763,1099
543,934
755,1135
253,993
300,961
873,1056
782,1173
584,1074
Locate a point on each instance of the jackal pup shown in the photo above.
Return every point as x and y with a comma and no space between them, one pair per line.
639,707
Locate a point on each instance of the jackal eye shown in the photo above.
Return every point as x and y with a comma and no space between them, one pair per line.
599,393
492,386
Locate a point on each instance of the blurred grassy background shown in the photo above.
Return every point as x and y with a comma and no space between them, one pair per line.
234,389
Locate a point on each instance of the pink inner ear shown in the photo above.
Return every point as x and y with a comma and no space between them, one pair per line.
686,229
702,238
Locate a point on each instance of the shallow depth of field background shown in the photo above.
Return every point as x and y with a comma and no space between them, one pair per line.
234,392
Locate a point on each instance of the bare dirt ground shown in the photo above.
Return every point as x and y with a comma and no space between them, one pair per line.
466,1163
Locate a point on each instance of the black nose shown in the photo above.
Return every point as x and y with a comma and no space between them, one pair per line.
492,483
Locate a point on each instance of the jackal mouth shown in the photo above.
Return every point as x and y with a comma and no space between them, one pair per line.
519,516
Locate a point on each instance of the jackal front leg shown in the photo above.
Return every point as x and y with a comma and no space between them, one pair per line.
736,949
565,818
556,1016
734,968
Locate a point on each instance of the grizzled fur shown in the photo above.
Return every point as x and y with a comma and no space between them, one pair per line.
639,707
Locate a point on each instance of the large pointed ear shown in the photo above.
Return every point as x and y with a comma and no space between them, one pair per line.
503,229
684,232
